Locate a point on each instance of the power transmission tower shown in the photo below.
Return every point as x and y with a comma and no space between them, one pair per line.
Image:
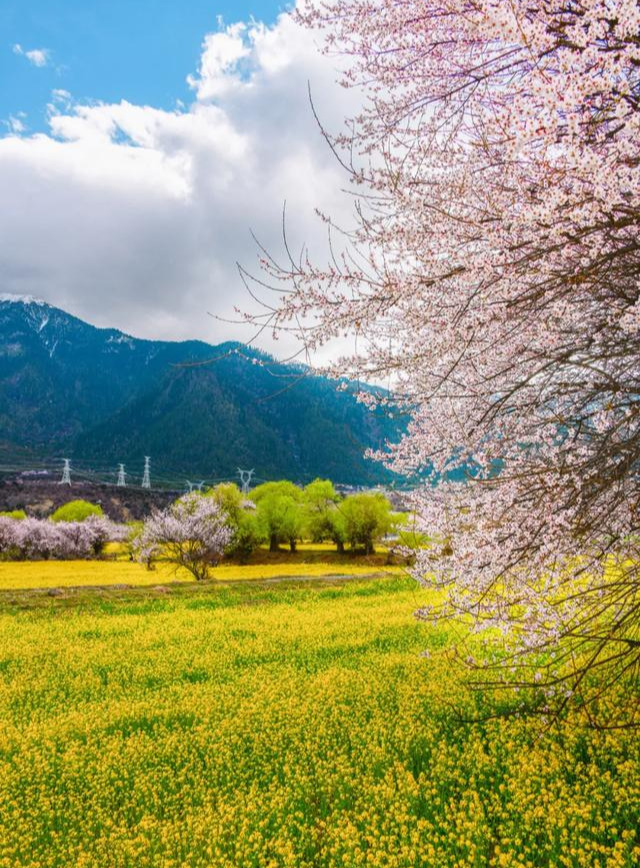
66,472
190,484
122,476
245,480
195,486
146,476
200,485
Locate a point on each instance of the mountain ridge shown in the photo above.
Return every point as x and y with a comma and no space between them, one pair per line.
101,394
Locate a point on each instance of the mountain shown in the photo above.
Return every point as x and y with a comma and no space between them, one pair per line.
101,396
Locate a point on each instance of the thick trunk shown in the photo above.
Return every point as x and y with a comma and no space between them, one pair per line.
340,546
273,543
292,545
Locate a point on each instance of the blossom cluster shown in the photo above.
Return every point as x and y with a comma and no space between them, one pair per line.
192,533
35,538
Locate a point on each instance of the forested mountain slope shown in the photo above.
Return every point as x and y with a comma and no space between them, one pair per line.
99,394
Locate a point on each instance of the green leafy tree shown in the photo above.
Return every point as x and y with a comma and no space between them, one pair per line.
337,528
367,518
248,532
280,487
76,510
16,514
321,517
279,512
229,498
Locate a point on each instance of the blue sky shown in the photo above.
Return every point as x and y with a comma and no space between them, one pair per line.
108,50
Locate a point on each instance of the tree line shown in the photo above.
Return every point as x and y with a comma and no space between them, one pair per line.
282,513
199,529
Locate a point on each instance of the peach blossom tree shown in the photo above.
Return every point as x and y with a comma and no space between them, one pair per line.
491,277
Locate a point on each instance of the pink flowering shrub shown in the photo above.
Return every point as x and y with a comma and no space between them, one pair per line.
491,279
37,539
41,539
192,533
8,547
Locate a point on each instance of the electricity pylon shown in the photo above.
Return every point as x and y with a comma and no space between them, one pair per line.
245,479
66,472
146,476
122,476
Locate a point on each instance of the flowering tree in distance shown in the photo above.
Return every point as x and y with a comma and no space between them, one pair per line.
192,533
492,277
35,538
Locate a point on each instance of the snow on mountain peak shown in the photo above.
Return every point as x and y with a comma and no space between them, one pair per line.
21,299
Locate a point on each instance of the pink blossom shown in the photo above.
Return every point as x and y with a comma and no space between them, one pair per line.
34,538
192,533
491,281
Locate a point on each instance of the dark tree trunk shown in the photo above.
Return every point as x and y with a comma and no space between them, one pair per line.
292,545
273,543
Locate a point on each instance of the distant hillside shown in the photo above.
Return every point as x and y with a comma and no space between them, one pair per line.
100,395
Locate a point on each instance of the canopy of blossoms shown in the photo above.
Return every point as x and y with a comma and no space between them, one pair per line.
192,533
492,278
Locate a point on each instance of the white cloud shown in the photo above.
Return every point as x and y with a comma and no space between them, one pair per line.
36,56
220,62
16,123
135,217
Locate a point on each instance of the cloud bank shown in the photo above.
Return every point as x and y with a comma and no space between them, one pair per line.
135,217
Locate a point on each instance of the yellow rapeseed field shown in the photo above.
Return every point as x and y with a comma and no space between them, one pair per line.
244,726
15,575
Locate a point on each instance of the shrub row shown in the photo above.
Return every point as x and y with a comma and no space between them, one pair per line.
42,539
